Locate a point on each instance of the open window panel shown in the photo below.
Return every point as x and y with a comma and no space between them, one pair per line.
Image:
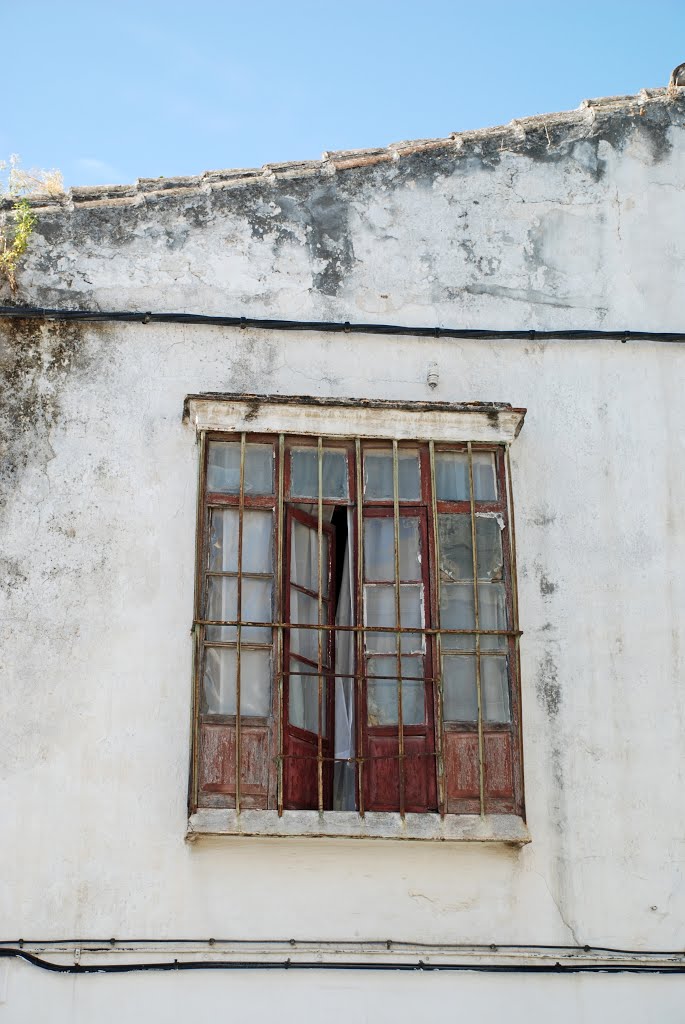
356,631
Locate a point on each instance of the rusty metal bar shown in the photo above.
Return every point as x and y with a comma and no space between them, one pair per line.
319,759
198,630
474,553
354,760
514,604
359,624
428,630
439,681
351,675
239,612
398,619
280,522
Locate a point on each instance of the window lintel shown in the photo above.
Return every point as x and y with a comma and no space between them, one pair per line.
488,422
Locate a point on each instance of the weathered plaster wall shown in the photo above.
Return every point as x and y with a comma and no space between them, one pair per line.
577,222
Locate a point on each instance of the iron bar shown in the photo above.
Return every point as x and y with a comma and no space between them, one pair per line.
479,695
319,770
359,623
398,618
239,612
279,626
355,759
198,625
438,676
515,608
428,630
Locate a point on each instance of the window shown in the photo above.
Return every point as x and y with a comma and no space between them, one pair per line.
356,626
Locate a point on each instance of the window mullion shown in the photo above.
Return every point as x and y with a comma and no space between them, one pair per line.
474,553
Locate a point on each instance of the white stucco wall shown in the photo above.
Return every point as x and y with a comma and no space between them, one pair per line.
98,521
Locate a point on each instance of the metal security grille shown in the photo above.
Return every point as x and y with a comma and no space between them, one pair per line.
356,626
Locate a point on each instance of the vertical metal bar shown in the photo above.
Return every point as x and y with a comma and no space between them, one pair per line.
512,545
514,603
398,619
439,683
360,622
474,553
239,615
279,612
198,631
319,756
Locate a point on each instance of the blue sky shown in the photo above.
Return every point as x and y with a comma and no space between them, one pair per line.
110,92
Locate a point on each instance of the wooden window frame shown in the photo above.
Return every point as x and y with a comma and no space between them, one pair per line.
452,744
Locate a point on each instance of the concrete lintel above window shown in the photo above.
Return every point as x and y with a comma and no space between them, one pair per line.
491,828
489,422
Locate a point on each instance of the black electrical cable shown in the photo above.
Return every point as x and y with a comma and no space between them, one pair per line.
333,327
350,965
395,944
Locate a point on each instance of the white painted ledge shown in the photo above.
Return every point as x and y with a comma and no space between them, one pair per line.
489,422
491,828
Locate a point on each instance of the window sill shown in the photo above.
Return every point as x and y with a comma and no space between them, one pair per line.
491,828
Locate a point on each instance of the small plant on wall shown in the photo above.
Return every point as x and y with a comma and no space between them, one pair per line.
18,185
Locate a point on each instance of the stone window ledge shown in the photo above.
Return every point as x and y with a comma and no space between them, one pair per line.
491,828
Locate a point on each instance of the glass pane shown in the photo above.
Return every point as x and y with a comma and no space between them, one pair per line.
488,548
378,484
456,553
492,614
381,701
459,686
457,612
379,549
257,540
380,611
303,701
304,557
456,559
495,689
304,473
305,641
223,468
484,478
222,603
219,689
452,476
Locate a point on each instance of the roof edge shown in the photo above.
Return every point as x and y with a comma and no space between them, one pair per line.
336,161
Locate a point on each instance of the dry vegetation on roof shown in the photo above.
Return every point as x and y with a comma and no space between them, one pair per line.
18,184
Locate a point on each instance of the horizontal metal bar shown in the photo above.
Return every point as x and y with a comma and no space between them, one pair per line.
358,760
361,629
334,327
